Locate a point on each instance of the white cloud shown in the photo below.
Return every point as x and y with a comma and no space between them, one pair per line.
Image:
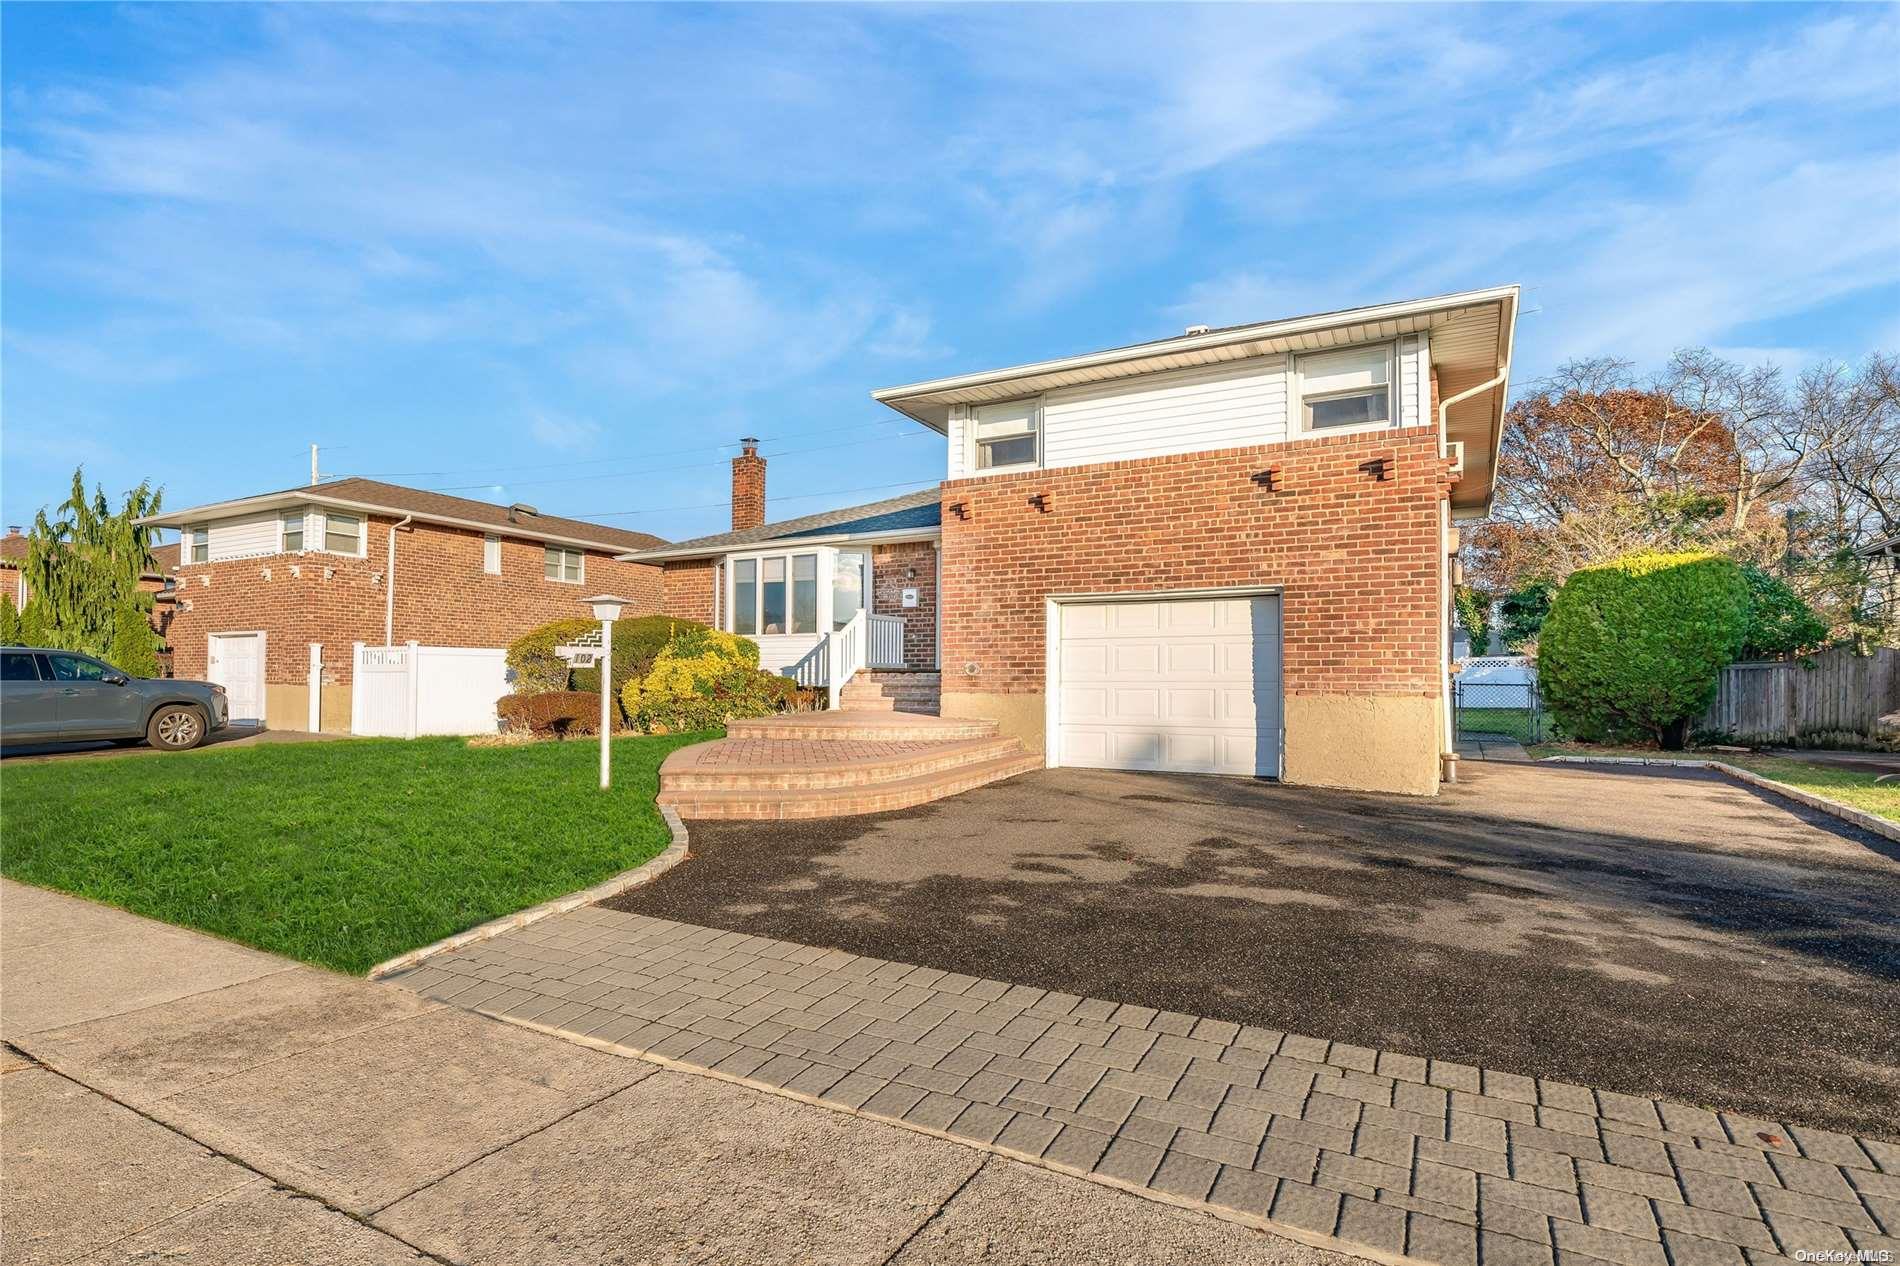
569,434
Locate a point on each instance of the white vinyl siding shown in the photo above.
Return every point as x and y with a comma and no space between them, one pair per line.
251,536
1203,409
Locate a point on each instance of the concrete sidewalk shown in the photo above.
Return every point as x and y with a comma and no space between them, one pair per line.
175,1097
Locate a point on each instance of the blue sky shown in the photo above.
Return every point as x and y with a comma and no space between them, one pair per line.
563,255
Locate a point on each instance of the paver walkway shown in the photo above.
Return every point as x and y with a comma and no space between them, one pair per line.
1391,1154
182,1099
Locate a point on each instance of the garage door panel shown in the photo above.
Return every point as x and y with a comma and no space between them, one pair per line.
1189,684
1135,659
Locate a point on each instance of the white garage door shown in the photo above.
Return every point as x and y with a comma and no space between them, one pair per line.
236,662
1187,685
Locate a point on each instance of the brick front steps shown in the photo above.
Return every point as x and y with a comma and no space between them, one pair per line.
902,690
833,764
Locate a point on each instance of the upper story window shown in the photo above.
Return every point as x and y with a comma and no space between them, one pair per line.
565,565
342,533
491,555
198,545
1347,390
293,531
1006,434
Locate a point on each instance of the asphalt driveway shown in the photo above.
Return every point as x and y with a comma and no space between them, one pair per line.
1663,934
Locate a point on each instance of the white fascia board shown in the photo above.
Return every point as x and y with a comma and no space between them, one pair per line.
779,545
283,500
895,397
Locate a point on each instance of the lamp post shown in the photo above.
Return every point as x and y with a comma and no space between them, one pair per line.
606,609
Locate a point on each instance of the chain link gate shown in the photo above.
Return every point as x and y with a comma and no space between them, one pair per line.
1509,708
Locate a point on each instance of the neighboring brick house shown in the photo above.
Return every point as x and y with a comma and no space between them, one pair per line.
261,579
1225,552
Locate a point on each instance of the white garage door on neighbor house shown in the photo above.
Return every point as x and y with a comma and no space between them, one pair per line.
1188,685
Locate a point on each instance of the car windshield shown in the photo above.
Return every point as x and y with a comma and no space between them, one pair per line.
73,668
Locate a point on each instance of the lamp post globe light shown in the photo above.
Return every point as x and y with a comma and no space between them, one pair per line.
606,609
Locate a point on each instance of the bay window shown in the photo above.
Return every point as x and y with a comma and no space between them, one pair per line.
1347,389
745,597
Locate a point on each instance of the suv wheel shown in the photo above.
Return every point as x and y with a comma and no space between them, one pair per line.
176,728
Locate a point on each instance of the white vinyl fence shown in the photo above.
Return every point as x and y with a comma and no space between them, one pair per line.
404,691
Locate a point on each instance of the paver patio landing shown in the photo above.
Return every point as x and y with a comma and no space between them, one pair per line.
1390,1154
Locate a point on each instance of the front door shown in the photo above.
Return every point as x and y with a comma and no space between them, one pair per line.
236,662
29,703
90,705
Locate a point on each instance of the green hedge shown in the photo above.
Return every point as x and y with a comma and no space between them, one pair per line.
1639,643
1779,622
636,642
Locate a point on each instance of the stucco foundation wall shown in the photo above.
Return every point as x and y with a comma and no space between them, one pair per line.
1020,716
287,707
1363,742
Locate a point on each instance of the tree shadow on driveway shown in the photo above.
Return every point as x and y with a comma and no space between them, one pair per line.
1672,935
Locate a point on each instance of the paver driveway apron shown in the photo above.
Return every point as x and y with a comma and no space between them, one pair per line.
1392,1154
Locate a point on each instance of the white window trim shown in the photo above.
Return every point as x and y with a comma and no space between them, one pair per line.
1393,409
970,467
283,532
827,567
492,544
565,550
323,538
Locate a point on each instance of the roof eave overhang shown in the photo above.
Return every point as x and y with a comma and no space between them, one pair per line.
770,543
912,400
281,500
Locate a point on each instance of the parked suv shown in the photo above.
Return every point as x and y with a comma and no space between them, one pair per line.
52,696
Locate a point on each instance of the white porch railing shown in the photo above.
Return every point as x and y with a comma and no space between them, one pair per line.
865,641
887,641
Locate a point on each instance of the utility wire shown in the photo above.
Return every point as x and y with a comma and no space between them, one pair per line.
596,461
719,505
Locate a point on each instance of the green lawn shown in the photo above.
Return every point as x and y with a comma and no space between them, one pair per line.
1850,787
340,853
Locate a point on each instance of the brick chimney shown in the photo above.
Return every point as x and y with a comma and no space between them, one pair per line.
748,486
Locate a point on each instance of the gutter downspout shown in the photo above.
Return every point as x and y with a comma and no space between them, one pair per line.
389,584
1449,761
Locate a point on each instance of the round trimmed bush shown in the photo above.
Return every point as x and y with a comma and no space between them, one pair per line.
537,668
1638,644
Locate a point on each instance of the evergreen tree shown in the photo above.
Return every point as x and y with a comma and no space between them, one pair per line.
10,626
134,644
82,567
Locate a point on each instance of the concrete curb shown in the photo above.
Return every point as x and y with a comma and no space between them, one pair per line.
1846,812
672,855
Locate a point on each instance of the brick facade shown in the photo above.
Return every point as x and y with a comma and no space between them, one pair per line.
1358,559
443,598
905,565
687,589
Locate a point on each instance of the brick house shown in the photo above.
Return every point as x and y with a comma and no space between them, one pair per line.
1225,552
261,580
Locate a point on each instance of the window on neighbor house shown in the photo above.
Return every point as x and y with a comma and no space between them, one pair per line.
1006,434
745,596
199,540
564,565
491,555
293,532
1353,388
342,533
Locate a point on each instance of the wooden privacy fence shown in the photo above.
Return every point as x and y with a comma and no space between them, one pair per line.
1834,690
